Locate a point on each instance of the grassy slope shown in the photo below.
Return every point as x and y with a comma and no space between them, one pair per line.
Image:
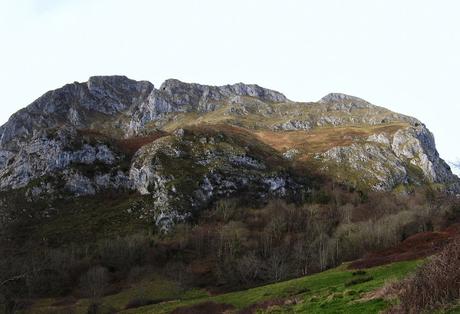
325,293
319,140
155,289
81,221
255,114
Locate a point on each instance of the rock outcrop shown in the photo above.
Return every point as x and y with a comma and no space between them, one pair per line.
191,169
385,161
184,145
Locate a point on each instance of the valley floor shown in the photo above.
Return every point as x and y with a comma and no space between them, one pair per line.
338,290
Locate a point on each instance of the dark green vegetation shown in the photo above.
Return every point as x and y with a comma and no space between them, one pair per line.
76,222
326,292
96,246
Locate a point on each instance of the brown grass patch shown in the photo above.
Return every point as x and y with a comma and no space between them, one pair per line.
264,305
320,140
417,246
207,307
435,284
389,291
131,145
128,146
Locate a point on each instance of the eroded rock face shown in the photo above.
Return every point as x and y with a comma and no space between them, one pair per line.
366,165
86,138
78,104
380,138
177,97
292,125
185,173
385,161
60,154
122,105
194,94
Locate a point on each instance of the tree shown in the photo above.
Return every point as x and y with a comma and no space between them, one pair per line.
249,267
277,267
347,212
95,282
304,256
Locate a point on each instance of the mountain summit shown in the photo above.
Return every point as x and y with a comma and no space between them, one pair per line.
183,146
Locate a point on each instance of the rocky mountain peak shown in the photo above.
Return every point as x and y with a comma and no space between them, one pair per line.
110,112
116,84
74,105
173,87
113,133
344,99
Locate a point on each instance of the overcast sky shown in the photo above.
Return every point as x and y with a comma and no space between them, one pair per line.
404,55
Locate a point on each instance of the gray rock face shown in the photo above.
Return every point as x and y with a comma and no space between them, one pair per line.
114,94
417,145
5,157
384,162
70,141
46,155
175,97
77,104
334,110
194,94
205,169
343,101
25,154
367,165
380,138
292,125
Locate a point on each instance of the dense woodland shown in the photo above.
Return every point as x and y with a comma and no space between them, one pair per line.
233,245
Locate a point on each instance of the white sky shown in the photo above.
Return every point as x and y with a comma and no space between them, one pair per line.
404,55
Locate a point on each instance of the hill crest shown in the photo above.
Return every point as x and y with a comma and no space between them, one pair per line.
114,133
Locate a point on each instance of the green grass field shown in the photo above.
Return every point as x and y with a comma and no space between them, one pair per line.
326,292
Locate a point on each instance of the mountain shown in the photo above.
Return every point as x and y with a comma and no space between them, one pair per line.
183,146
119,196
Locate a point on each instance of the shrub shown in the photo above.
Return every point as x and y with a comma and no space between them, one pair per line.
123,253
226,209
357,280
98,308
93,308
292,291
349,293
434,284
206,307
359,273
139,302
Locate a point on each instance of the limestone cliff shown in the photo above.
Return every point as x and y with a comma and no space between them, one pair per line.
187,145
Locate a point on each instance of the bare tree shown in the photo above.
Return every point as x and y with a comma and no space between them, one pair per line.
248,267
346,212
304,256
277,267
95,282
